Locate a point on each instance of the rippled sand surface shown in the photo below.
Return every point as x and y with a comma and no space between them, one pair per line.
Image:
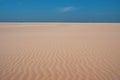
59,51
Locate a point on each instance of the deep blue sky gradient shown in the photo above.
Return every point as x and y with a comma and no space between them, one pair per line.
60,10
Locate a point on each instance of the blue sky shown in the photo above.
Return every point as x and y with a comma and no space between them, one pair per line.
60,10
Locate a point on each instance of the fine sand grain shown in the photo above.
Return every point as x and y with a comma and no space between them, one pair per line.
59,51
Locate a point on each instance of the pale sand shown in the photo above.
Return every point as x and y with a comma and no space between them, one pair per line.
59,51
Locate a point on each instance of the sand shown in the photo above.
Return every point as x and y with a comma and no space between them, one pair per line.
59,51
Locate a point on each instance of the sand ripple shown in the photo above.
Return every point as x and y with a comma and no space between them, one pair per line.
60,53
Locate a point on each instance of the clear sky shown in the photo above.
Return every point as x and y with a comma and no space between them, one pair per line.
60,10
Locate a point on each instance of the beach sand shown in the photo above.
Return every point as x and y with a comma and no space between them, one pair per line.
59,51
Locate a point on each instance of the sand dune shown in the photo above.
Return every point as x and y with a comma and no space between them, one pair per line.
59,51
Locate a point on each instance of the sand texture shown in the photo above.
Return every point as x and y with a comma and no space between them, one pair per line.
59,51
